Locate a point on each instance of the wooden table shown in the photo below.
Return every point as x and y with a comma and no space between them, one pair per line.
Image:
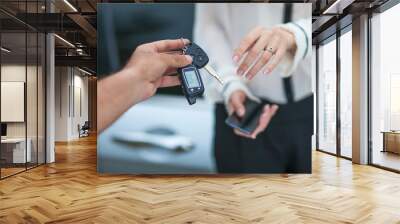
391,141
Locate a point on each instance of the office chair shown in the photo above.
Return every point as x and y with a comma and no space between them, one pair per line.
84,130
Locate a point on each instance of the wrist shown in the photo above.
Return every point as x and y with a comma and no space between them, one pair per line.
235,85
116,94
129,74
129,79
291,40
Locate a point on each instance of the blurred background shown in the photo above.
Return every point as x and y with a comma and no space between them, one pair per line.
64,33
165,134
121,28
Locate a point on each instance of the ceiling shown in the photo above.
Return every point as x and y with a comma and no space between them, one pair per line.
76,22
72,20
330,16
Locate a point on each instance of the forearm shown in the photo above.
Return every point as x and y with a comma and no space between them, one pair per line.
115,95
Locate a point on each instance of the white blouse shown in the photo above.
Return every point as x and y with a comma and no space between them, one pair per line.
220,27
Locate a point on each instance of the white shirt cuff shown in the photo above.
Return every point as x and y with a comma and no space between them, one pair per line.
302,43
233,86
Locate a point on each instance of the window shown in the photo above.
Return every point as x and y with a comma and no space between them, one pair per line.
346,94
327,97
22,88
385,89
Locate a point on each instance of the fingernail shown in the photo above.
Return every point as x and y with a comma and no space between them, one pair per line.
241,112
236,59
266,71
189,58
240,72
186,41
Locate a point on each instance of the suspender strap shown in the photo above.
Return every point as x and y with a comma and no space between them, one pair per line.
287,81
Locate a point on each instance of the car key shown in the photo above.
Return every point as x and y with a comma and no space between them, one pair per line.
200,60
192,84
212,72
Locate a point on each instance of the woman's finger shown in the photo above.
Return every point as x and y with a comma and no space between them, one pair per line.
237,104
262,61
265,118
270,49
246,43
262,120
238,132
275,60
274,46
254,53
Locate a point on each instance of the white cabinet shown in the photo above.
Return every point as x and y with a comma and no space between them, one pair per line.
17,145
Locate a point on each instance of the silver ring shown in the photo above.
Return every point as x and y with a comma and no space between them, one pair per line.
269,50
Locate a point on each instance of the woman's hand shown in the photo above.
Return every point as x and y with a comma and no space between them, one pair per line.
236,105
265,47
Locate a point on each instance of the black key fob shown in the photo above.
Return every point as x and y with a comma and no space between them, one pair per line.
200,58
191,82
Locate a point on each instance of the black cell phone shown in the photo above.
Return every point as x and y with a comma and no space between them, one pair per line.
248,123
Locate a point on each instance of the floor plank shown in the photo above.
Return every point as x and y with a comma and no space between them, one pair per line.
70,191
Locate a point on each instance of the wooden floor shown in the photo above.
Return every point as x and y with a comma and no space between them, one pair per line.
5,172
387,159
70,191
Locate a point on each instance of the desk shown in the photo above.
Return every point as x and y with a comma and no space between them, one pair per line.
13,150
391,141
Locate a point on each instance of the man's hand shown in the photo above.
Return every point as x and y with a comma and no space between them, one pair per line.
236,105
146,70
152,63
264,47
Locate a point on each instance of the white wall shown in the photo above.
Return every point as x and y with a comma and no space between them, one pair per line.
13,73
70,83
12,101
62,81
79,117
17,73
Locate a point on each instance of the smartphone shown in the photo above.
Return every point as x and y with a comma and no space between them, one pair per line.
248,123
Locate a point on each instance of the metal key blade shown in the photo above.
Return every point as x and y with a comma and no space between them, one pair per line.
213,73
